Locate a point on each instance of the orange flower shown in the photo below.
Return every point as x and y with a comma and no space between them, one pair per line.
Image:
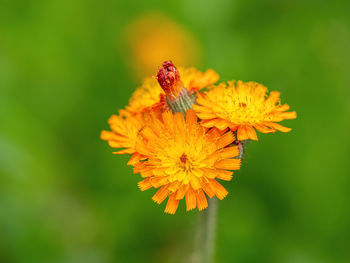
243,106
173,151
184,160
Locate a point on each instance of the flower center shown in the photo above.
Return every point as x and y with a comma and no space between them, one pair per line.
183,158
185,163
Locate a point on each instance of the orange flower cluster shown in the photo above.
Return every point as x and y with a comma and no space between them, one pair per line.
182,139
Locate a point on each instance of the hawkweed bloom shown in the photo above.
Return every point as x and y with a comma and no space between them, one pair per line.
177,153
243,107
184,160
182,138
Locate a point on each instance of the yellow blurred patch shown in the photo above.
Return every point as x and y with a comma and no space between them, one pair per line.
153,38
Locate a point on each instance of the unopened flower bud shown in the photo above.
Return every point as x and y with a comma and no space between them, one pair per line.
176,94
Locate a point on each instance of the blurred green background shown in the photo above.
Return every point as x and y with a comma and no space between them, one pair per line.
66,66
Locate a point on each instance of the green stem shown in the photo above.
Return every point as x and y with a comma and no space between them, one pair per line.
206,233
182,103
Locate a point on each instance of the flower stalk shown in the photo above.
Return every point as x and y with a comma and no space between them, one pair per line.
182,103
206,233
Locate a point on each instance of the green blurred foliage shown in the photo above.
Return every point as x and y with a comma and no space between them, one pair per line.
65,198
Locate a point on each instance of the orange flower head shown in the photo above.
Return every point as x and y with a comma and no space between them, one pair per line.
184,160
243,106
